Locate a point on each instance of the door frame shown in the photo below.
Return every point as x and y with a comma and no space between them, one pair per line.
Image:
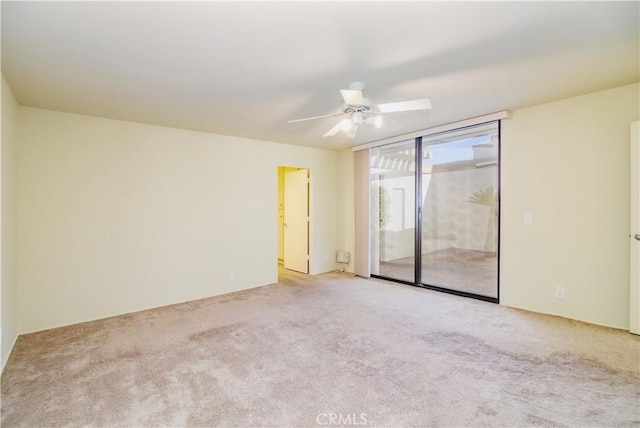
282,170
634,228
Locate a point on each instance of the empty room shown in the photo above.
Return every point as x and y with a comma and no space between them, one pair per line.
320,214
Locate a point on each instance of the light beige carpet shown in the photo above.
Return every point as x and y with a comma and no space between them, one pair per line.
295,353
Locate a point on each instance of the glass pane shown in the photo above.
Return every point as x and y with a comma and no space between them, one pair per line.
459,215
392,174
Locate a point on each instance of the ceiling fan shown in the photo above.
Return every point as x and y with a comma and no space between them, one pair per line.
361,111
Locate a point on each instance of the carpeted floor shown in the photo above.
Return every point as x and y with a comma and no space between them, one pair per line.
325,350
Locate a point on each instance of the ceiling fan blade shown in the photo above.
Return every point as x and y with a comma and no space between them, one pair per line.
333,131
351,133
421,104
316,117
352,97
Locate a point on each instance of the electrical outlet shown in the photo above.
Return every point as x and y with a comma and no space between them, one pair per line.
232,274
560,292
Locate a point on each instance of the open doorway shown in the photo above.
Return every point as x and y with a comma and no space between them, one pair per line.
293,218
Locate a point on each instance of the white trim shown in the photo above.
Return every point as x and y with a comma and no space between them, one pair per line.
441,128
634,246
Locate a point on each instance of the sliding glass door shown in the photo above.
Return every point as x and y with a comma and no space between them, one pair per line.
393,219
460,210
434,211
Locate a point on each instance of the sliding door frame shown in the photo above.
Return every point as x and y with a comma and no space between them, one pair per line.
418,201
418,224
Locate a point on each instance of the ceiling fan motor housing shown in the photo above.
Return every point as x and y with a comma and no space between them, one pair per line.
359,113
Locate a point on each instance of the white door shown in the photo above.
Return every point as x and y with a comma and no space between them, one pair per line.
296,221
634,235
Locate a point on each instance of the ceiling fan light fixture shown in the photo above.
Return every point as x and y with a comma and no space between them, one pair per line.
346,125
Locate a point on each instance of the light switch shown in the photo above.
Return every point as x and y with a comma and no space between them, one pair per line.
527,218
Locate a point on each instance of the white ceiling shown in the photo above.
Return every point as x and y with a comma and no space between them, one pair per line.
245,68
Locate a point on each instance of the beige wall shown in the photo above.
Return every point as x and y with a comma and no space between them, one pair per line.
567,163
8,294
117,216
345,205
